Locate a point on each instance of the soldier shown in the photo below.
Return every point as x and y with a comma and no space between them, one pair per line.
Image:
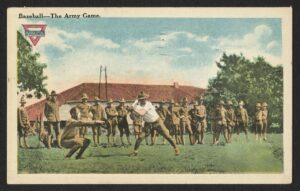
174,122
137,122
70,135
162,111
98,114
84,109
198,114
122,121
23,123
258,122
147,111
112,122
185,121
265,119
221,123
242,119
231,119
51,112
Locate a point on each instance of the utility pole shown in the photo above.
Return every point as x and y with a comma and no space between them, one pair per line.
105,82
99,88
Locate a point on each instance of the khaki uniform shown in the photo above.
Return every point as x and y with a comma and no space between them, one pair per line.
231,122
264,122
51,112
185,123
242,121
221,123
23,125
84,109
122,123
98,114
163,114
258,123
198,116
174,121
112,122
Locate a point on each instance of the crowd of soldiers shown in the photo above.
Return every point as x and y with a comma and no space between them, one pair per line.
171,120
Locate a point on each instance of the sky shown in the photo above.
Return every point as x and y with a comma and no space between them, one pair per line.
151,50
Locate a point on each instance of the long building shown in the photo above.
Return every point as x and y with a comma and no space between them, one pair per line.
116,91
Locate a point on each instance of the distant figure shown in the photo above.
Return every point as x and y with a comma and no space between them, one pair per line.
231,120
112,122
51,112
258,122
122,121
185,121
84,109
221,122
174,117
242,119
265,119
137,122
98,114
198,116
162,111
23,124
147,111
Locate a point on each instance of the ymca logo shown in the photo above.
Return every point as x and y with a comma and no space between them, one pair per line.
34,32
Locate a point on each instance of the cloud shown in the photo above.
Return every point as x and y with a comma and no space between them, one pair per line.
254,44
186,49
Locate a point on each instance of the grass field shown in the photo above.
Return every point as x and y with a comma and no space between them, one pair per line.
237,157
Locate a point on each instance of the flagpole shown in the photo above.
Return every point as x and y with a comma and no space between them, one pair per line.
106,82
99,88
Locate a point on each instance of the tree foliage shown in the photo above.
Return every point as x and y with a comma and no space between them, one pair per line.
31,76
251,81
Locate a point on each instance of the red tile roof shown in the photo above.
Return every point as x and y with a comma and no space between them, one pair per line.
117,91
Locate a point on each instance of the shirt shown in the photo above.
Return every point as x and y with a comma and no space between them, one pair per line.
147,111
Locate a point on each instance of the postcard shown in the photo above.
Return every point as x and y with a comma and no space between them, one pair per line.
149,95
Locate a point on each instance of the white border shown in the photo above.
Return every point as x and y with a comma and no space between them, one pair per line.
283,178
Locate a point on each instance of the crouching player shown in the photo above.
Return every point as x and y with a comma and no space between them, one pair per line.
149,114
70,136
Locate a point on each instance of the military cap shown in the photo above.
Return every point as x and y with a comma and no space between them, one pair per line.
258,105
142,95
109,101
53,93
200,97
221,102
195,103
96,99
185,99
122,100
241,103
265,104
172,101
84,96
229,102
22,100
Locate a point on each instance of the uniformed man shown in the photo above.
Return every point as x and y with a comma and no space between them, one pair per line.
258,122
112,122
98,114
137,122
51,112
174,117
23,124
242,119
147,111
122,121
185,121
221,122
162,111
84,109
198,114
231,119
70,137
265,119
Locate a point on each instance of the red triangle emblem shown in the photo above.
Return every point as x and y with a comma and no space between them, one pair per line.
34,35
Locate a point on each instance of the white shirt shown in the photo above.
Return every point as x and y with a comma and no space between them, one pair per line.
147,111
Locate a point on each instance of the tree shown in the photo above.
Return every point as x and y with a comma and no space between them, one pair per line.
31,76
250,81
